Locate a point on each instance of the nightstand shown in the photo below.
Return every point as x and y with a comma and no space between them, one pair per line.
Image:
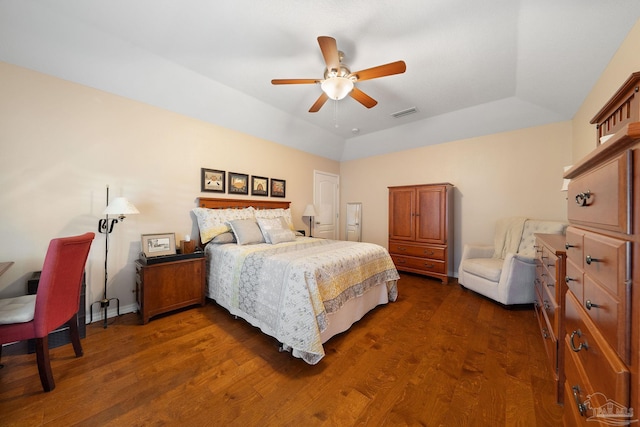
168,286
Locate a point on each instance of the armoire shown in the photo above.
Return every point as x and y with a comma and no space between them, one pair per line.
421,229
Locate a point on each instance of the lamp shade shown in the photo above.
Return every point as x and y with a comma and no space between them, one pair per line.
120,206
309,211
337,87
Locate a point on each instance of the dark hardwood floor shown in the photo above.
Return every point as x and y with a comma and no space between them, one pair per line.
439,356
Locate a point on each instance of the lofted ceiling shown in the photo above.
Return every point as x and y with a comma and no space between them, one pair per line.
473,67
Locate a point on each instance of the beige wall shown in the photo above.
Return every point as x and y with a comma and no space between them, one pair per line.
62,143
625,61
512,173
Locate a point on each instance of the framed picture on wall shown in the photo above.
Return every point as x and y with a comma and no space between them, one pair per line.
212,180
278,187
259,186
238,183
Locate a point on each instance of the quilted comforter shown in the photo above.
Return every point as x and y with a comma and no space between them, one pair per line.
288,289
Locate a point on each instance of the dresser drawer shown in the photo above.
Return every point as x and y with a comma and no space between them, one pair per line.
549,261
424,251
576,390
603,369
604,261
599,198
575,280
575,245
551,308
546,330
607,313
421,264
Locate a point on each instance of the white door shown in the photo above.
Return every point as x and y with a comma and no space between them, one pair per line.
326,200
354,216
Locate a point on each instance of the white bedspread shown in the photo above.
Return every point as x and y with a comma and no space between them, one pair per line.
287,289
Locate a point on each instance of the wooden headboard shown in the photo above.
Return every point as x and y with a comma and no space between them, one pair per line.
216,203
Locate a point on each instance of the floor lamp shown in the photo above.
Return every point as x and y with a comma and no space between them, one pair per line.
119,207
310,211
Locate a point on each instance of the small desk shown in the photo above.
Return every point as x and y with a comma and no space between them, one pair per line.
4,266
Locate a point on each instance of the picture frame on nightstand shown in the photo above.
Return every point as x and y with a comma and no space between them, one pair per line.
161,244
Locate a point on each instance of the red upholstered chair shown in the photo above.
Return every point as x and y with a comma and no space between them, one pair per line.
55,303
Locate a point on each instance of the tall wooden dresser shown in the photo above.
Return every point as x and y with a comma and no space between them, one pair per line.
421,229
602,305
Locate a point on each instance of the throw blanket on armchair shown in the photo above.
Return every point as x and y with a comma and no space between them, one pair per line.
508,236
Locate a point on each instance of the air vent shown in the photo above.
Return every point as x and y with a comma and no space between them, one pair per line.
403,113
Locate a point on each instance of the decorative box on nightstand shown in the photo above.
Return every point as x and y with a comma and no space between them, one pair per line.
167,286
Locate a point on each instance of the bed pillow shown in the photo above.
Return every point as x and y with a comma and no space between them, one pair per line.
246,231
213,222
227,237
269,224
275,213
281,235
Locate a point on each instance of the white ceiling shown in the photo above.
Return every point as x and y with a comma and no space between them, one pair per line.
473,67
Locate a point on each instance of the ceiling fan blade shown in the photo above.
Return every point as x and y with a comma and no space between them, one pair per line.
319,103
362,98
392,68
293,81
329,49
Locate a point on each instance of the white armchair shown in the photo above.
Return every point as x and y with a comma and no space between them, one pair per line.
505,271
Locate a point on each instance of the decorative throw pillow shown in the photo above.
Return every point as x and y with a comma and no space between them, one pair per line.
246,231
275,213
281,235
269,224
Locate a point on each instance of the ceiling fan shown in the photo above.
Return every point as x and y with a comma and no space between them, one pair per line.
339,81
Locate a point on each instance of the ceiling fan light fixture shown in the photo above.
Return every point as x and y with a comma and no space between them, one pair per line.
337,88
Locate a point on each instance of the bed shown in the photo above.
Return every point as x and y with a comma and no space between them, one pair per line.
299,290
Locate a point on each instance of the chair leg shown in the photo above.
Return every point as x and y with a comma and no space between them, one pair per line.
44,365
74,333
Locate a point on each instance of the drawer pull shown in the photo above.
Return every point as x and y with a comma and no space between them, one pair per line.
568,245
589,259
576,396
546,304
569,279
429,265
582,344
427,252
551,285
582,198
590,305
545,333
